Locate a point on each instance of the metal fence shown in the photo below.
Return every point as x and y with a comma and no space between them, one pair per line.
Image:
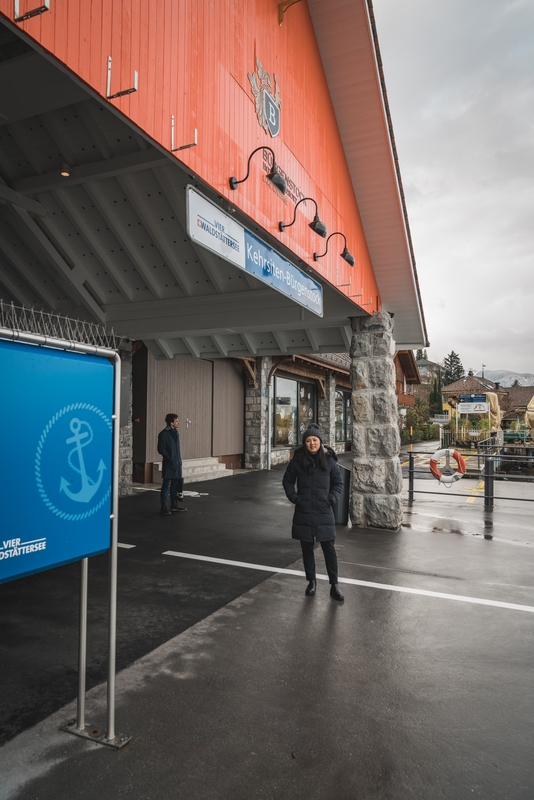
492,462
29,320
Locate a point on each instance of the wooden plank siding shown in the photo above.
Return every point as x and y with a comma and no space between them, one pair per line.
193,57
183,388
228,408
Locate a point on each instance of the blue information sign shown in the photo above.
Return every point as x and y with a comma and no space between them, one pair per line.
56,444
269,266
472,398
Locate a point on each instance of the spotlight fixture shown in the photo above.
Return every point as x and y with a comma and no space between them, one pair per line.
349,258
274,176
65,171
316,224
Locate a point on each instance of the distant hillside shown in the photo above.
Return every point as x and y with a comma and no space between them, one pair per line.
506,378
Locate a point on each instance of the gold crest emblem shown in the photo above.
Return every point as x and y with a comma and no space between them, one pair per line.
267,102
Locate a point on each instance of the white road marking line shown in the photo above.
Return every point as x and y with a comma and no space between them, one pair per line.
386,586
186,492
126,546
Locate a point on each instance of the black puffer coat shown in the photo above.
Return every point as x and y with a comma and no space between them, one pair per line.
316,493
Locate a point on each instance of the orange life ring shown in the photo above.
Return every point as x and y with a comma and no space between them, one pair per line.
447,480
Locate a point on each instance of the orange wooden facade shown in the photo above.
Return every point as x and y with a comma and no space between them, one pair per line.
193,58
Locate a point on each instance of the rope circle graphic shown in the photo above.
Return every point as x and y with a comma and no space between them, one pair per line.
38,477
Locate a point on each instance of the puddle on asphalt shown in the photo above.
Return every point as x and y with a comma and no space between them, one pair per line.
487,525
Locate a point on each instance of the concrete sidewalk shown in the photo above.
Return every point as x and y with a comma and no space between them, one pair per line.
414,687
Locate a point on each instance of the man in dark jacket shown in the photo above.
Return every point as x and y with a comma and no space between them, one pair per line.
315,471
169,448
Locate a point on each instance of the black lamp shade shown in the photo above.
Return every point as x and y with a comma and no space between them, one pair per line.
318,226
349,258
277,180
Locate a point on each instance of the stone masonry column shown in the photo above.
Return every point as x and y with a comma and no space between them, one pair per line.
376,473
326,414
257,416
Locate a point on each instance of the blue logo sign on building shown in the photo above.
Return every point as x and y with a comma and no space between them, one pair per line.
272,113
56,469
266,103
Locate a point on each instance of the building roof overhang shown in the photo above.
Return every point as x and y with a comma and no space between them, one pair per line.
66,244
348,44
409,366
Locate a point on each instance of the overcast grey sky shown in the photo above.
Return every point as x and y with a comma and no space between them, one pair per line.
460,81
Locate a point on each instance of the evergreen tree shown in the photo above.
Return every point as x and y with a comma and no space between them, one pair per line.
418,355
452,368
516,383
436,402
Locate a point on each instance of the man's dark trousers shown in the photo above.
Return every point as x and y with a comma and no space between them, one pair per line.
175,485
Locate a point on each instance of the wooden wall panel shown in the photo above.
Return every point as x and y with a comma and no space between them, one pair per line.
193,57
139,406
228,408
183,388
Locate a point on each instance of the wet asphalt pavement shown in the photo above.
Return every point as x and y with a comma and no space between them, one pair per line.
233,684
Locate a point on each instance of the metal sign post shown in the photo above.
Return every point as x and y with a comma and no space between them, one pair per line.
75,490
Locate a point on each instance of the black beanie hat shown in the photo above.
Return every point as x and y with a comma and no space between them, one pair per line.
313,430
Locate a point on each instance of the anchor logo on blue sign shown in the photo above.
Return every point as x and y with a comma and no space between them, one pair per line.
83,436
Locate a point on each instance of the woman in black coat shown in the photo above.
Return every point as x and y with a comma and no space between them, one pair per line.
319,485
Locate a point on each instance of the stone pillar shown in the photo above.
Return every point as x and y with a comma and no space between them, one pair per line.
257,416
376,472
126,431
326,416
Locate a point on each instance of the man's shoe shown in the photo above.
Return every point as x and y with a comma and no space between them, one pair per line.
165,510
178,507
310,588
335,592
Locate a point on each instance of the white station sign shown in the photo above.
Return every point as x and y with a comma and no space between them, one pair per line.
473,408
208,225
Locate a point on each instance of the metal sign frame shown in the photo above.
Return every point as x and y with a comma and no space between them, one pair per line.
79,727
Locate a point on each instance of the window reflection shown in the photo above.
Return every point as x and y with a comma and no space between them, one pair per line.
343,415
294,410
285,413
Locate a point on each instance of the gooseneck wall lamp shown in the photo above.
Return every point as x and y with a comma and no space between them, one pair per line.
274,176
349,258
316,224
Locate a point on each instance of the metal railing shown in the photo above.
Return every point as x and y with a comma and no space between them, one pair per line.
487,447
440,419
489,475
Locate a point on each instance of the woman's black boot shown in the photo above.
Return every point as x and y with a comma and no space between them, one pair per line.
335,592
310,588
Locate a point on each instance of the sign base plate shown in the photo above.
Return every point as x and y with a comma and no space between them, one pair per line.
96,734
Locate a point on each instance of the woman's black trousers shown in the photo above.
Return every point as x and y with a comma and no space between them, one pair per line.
330,558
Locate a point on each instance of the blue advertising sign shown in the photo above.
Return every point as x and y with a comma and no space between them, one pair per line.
56,441
270,267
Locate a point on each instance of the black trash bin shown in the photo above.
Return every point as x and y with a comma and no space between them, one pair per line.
341,508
